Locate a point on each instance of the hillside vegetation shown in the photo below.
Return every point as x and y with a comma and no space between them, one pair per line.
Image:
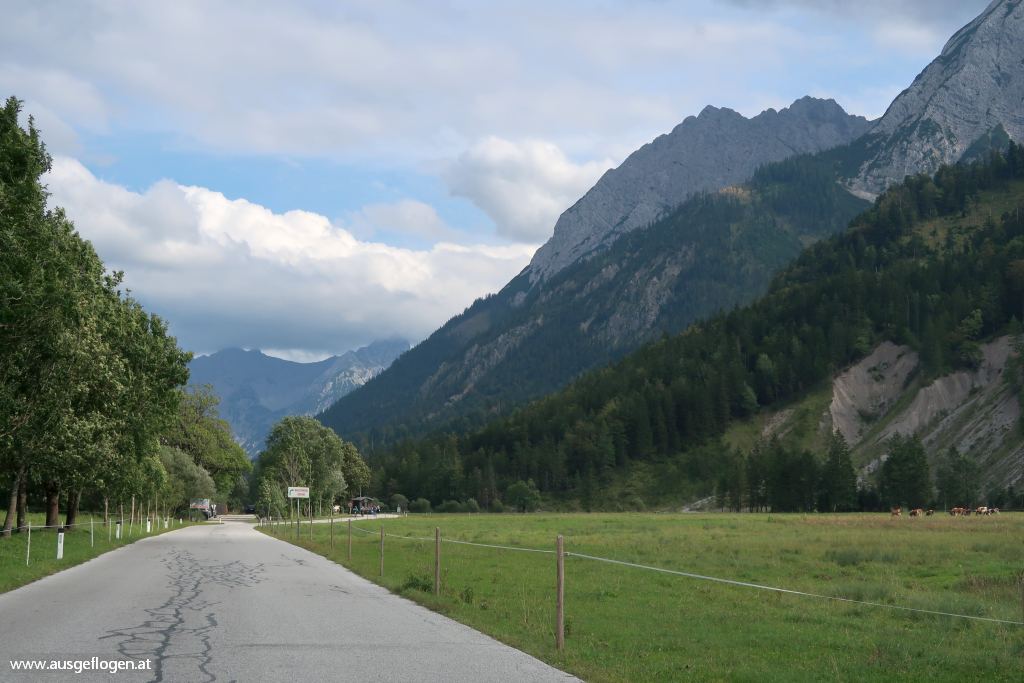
711,253
917,269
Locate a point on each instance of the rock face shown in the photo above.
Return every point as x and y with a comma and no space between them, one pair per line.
703,153
974,411
869,389
257,390
974,89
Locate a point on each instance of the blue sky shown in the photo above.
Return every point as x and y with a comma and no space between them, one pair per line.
306,177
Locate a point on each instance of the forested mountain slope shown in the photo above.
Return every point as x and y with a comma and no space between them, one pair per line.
586,299
936,265
711,253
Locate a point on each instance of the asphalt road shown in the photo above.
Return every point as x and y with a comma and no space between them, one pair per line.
225,602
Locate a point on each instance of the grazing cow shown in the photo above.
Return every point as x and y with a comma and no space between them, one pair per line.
981,511
916,512
895,512
993,511
930,512
958,512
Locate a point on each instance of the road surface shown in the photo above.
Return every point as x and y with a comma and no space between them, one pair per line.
225,602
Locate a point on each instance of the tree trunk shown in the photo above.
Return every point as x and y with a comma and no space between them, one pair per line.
22,501
52,504
74,498
12,506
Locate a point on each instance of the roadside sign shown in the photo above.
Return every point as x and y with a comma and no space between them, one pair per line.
298,492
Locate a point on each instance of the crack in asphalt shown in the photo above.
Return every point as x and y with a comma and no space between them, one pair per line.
167,626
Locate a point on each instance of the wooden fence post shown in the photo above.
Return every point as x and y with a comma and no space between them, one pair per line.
560,600
437,560
350,539
382,550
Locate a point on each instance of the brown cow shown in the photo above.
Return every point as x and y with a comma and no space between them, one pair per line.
916,512
930,512
895,512
958,512
981,510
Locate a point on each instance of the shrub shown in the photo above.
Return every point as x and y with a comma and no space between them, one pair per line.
399,501
472,506
451,506
419,505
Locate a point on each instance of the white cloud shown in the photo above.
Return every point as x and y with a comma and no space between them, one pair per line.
403,217
233,273
522,186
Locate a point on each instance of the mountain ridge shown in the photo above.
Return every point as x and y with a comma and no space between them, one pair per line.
257,389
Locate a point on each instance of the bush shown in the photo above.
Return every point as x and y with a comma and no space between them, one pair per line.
451,506
399,501
472,506
497,506
419,505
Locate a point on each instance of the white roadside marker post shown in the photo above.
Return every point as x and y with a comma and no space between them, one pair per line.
92,533
28,547
60,544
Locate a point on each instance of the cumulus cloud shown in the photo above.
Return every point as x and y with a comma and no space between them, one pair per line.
522,186
229,272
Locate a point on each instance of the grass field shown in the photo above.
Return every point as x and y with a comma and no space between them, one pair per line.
78,547
629,624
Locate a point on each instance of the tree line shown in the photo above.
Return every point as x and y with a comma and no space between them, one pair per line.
92,406
893,275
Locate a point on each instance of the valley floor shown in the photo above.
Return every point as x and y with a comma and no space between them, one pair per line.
625,623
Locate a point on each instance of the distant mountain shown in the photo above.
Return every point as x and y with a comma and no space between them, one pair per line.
257,390
703,153
969,98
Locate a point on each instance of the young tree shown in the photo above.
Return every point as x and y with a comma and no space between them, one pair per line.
904,477
523,495
837,490
958,479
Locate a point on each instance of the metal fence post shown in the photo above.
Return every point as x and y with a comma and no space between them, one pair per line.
560,599
437,560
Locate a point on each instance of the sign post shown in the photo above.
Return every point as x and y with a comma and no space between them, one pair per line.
298,492
60,544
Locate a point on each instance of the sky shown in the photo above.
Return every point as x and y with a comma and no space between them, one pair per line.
306,177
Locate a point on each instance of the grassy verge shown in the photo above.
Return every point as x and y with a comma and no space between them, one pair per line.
629,624
79,545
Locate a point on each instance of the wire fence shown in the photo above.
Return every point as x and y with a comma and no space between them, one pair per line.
117,531
439,539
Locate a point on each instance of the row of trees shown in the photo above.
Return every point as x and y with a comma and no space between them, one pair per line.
891,276
89,381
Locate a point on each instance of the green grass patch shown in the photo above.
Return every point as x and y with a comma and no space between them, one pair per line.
629,624
79,546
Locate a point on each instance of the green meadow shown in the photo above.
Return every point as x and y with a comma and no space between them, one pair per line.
628,624
79,546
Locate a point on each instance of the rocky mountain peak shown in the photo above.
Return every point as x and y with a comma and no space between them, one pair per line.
974,87
717,148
